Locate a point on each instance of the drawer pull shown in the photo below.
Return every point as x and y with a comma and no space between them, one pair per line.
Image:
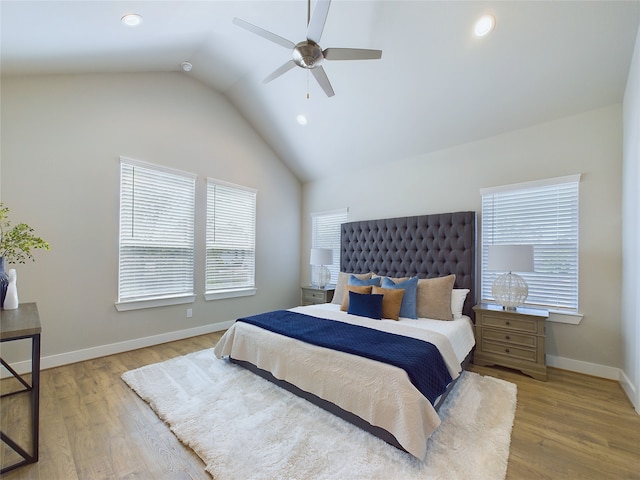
506,350
507,323
507,337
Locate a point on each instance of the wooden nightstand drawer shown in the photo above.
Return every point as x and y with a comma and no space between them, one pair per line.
510,338
314,296
521,324
510,351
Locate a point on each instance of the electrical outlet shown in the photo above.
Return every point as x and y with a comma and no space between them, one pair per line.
189,312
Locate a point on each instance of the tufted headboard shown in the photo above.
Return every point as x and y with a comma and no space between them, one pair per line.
426,245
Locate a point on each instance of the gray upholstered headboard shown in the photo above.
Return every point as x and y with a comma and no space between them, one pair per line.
427,246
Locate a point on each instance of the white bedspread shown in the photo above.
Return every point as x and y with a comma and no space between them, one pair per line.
379,393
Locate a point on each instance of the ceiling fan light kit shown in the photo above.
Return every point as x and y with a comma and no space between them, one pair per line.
308,54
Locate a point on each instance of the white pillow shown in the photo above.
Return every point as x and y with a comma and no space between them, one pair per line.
458,296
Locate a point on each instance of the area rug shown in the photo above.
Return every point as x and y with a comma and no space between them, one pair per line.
243,427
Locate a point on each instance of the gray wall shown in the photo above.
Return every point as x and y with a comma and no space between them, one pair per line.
450,180
631,232
62,137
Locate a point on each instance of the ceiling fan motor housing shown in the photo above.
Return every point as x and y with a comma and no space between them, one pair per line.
307,54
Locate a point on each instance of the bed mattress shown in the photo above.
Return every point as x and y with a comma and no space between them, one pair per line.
379,393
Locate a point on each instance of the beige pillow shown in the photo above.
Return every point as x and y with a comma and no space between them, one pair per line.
391,301
352,288
433,298
394,279
343,280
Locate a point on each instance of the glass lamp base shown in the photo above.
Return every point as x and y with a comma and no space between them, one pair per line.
510,290
322,276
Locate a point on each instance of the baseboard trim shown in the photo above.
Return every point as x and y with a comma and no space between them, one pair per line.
630,390
67,358
587,368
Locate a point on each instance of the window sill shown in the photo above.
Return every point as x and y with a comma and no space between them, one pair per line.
154,302
565,317
231,293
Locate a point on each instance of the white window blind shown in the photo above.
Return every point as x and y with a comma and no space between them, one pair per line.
156,250
326,234
231,237
543,214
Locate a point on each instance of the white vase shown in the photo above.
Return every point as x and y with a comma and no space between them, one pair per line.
11,300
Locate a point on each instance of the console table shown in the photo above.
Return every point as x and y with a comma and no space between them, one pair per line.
19,324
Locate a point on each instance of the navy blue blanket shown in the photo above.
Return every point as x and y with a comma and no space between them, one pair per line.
421,360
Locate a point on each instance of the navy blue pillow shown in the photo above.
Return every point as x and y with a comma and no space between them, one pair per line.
409,299
365,305
353,280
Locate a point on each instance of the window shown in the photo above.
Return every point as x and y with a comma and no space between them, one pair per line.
231,240
156,242
543,214
325,233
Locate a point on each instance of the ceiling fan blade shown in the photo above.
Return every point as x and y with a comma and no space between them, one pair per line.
316,25
264,33
321,77
351,54
279,71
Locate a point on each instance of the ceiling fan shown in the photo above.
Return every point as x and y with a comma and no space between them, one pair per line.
308,54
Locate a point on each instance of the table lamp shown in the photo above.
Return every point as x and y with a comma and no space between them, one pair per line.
510,290
319,258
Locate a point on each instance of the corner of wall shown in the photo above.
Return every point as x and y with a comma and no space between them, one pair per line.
630,374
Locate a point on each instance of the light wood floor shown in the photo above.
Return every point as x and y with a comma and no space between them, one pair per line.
93,426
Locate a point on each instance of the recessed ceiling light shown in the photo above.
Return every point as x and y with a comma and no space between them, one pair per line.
484,25
302,119
131,19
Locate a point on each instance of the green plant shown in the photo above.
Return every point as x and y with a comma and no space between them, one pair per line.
16,242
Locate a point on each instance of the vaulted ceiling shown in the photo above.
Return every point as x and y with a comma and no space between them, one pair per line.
436,85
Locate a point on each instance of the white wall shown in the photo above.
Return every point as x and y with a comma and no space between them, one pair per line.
62,137
450,180
631,232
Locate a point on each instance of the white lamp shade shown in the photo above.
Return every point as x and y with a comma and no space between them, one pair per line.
510,258
321,256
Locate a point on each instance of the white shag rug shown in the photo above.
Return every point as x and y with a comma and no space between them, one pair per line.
243,427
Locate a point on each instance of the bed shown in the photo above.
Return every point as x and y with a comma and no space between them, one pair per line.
381,398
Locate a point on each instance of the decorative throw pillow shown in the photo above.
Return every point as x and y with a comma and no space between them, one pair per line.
391,302
343,278
395,279
365,305
353,280
353,288
458,296
410,287
433,299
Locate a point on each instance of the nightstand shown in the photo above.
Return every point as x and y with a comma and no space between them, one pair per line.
511,338
315,295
